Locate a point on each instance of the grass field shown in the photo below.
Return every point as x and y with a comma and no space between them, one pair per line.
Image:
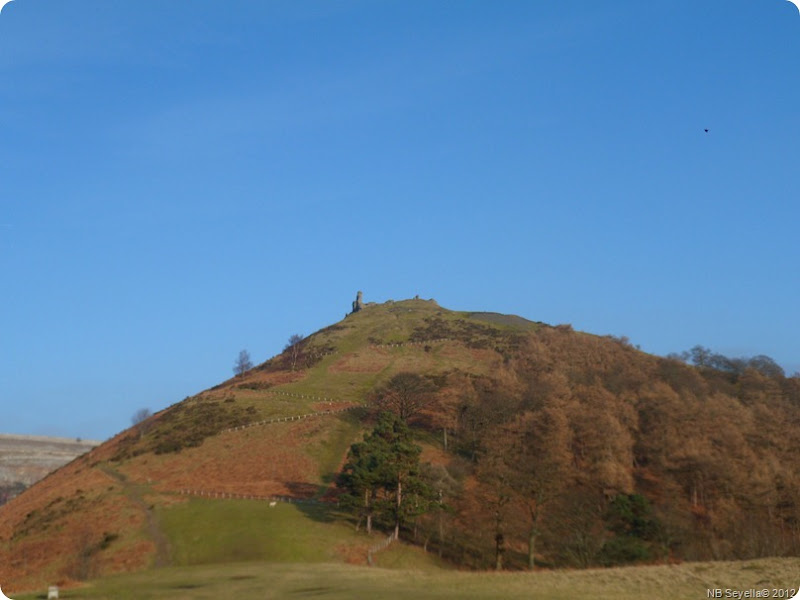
290,533
246,581
253,531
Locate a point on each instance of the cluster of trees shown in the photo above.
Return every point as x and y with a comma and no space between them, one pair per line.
580,450
578,423
382,480
703,357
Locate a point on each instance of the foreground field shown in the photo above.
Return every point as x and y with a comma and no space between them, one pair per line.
245,581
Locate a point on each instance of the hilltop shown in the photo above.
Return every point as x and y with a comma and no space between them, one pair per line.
544,444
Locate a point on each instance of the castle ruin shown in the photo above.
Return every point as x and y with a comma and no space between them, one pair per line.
358,303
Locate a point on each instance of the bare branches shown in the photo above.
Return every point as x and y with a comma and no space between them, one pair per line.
243,363
293,346
405,395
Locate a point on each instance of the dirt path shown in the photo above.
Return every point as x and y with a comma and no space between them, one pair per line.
134,494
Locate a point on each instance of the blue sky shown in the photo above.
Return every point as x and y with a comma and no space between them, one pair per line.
181,180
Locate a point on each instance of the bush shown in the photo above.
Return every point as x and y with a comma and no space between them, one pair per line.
630,518
623,550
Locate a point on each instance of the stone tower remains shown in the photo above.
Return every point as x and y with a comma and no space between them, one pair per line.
358,303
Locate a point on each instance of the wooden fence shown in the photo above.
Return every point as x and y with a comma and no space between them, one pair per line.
382,545
292,418
216,495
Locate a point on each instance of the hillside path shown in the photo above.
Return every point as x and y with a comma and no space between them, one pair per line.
133,492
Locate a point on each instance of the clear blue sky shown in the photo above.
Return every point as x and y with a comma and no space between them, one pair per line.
181,180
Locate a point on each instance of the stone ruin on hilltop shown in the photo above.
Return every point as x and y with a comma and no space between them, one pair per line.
358,303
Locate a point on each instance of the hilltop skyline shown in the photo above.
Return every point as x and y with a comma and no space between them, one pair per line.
180,182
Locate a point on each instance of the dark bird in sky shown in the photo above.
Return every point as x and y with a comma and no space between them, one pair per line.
706,130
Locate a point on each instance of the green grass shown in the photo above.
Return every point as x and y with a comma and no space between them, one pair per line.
217,531
508,321
386,323
329,453
409,558
258,581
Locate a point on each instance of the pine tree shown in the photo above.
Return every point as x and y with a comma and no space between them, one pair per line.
382,475
361,478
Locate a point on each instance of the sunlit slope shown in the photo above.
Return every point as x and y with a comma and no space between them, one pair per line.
547,447
279,431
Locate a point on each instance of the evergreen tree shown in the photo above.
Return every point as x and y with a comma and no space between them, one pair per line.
630,518
361,478
382,475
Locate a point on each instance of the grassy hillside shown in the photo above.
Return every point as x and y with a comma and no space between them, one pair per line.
544,444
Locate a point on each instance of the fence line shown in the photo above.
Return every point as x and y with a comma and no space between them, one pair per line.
291,418
273,500
233,496
299,395
378,547
423,343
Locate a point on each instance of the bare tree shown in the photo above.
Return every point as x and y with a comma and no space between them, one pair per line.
243,363
405,394
293,346
141,415
540,447
139,420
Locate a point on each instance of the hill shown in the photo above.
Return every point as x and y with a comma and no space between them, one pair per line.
542,444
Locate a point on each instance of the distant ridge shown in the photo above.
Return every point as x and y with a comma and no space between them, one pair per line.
25,459
48,439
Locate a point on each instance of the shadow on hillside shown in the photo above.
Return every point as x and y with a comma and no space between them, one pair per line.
312,508
302,489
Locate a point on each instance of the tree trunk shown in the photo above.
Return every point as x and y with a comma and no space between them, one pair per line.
532,548
399,502
534,532
368,510
441,532
500,550
499,538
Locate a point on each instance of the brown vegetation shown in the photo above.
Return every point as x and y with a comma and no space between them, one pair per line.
545,447
576,421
